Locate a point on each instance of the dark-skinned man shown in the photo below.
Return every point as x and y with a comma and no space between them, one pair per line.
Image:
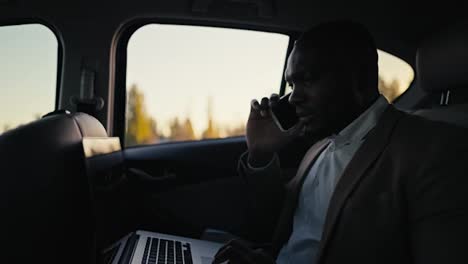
382,186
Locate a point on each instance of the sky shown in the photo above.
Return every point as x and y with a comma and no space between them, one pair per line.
391,67
28,73
179,69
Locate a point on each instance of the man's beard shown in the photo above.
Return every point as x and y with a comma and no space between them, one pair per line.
312,132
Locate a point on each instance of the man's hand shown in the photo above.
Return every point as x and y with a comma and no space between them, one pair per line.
264,137
238,252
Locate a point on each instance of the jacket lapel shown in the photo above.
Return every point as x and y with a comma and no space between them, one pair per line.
364,157
284,226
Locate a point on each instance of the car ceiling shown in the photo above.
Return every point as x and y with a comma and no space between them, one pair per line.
397,25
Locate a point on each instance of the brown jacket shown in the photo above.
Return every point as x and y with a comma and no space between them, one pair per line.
402,199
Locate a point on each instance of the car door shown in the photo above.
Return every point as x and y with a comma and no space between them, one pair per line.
188,93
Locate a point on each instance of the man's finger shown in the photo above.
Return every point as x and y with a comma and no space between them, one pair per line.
254,109
255,105
264,103
264,106
274,99
230,243
220,257
222,249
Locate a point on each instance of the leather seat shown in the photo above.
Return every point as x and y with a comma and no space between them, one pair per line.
45,198
442,69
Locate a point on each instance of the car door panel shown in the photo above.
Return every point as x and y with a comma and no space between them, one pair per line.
194,185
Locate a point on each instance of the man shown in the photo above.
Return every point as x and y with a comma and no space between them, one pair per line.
381,187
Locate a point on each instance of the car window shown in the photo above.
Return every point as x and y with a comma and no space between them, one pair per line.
28,74
194,82
395,75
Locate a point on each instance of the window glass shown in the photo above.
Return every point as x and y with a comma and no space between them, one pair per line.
28,73
193,82
395,75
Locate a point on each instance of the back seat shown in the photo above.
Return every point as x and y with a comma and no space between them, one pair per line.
442,69
45,198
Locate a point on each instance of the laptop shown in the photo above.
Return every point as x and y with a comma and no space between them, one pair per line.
142,247
145,247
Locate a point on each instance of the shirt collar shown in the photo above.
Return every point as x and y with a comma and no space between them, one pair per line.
360,127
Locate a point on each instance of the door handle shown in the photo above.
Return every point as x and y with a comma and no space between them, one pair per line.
142,176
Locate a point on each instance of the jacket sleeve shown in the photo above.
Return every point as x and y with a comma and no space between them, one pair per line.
438,207
265,192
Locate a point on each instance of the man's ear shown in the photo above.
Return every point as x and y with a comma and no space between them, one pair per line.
357,87
363,93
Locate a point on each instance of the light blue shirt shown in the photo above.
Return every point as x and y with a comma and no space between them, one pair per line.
318,186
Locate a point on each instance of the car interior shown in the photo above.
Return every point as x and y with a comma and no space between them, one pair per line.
65,202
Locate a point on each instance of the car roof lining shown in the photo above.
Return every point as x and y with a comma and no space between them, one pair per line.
398,26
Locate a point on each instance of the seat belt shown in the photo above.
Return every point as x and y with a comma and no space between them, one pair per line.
87,102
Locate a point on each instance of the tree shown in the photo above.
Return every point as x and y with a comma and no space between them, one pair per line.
141,128
188,128
212,130
181,130
390,90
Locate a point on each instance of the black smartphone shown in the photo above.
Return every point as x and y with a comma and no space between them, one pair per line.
284,113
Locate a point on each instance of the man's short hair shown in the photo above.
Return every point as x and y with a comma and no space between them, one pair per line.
345,43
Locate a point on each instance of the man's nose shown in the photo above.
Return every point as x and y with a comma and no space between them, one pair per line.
296,96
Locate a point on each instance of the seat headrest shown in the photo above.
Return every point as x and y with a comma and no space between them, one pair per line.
442,60
89,126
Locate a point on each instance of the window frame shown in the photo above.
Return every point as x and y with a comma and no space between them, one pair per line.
119,89
56,32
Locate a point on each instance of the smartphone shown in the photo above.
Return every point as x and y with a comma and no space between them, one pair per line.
284,113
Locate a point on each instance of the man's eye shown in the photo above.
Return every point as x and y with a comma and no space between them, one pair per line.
310,78
308,82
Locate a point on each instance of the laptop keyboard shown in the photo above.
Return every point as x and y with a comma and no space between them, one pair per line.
163,251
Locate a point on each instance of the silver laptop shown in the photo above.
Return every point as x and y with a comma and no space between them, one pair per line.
145,247
142,247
